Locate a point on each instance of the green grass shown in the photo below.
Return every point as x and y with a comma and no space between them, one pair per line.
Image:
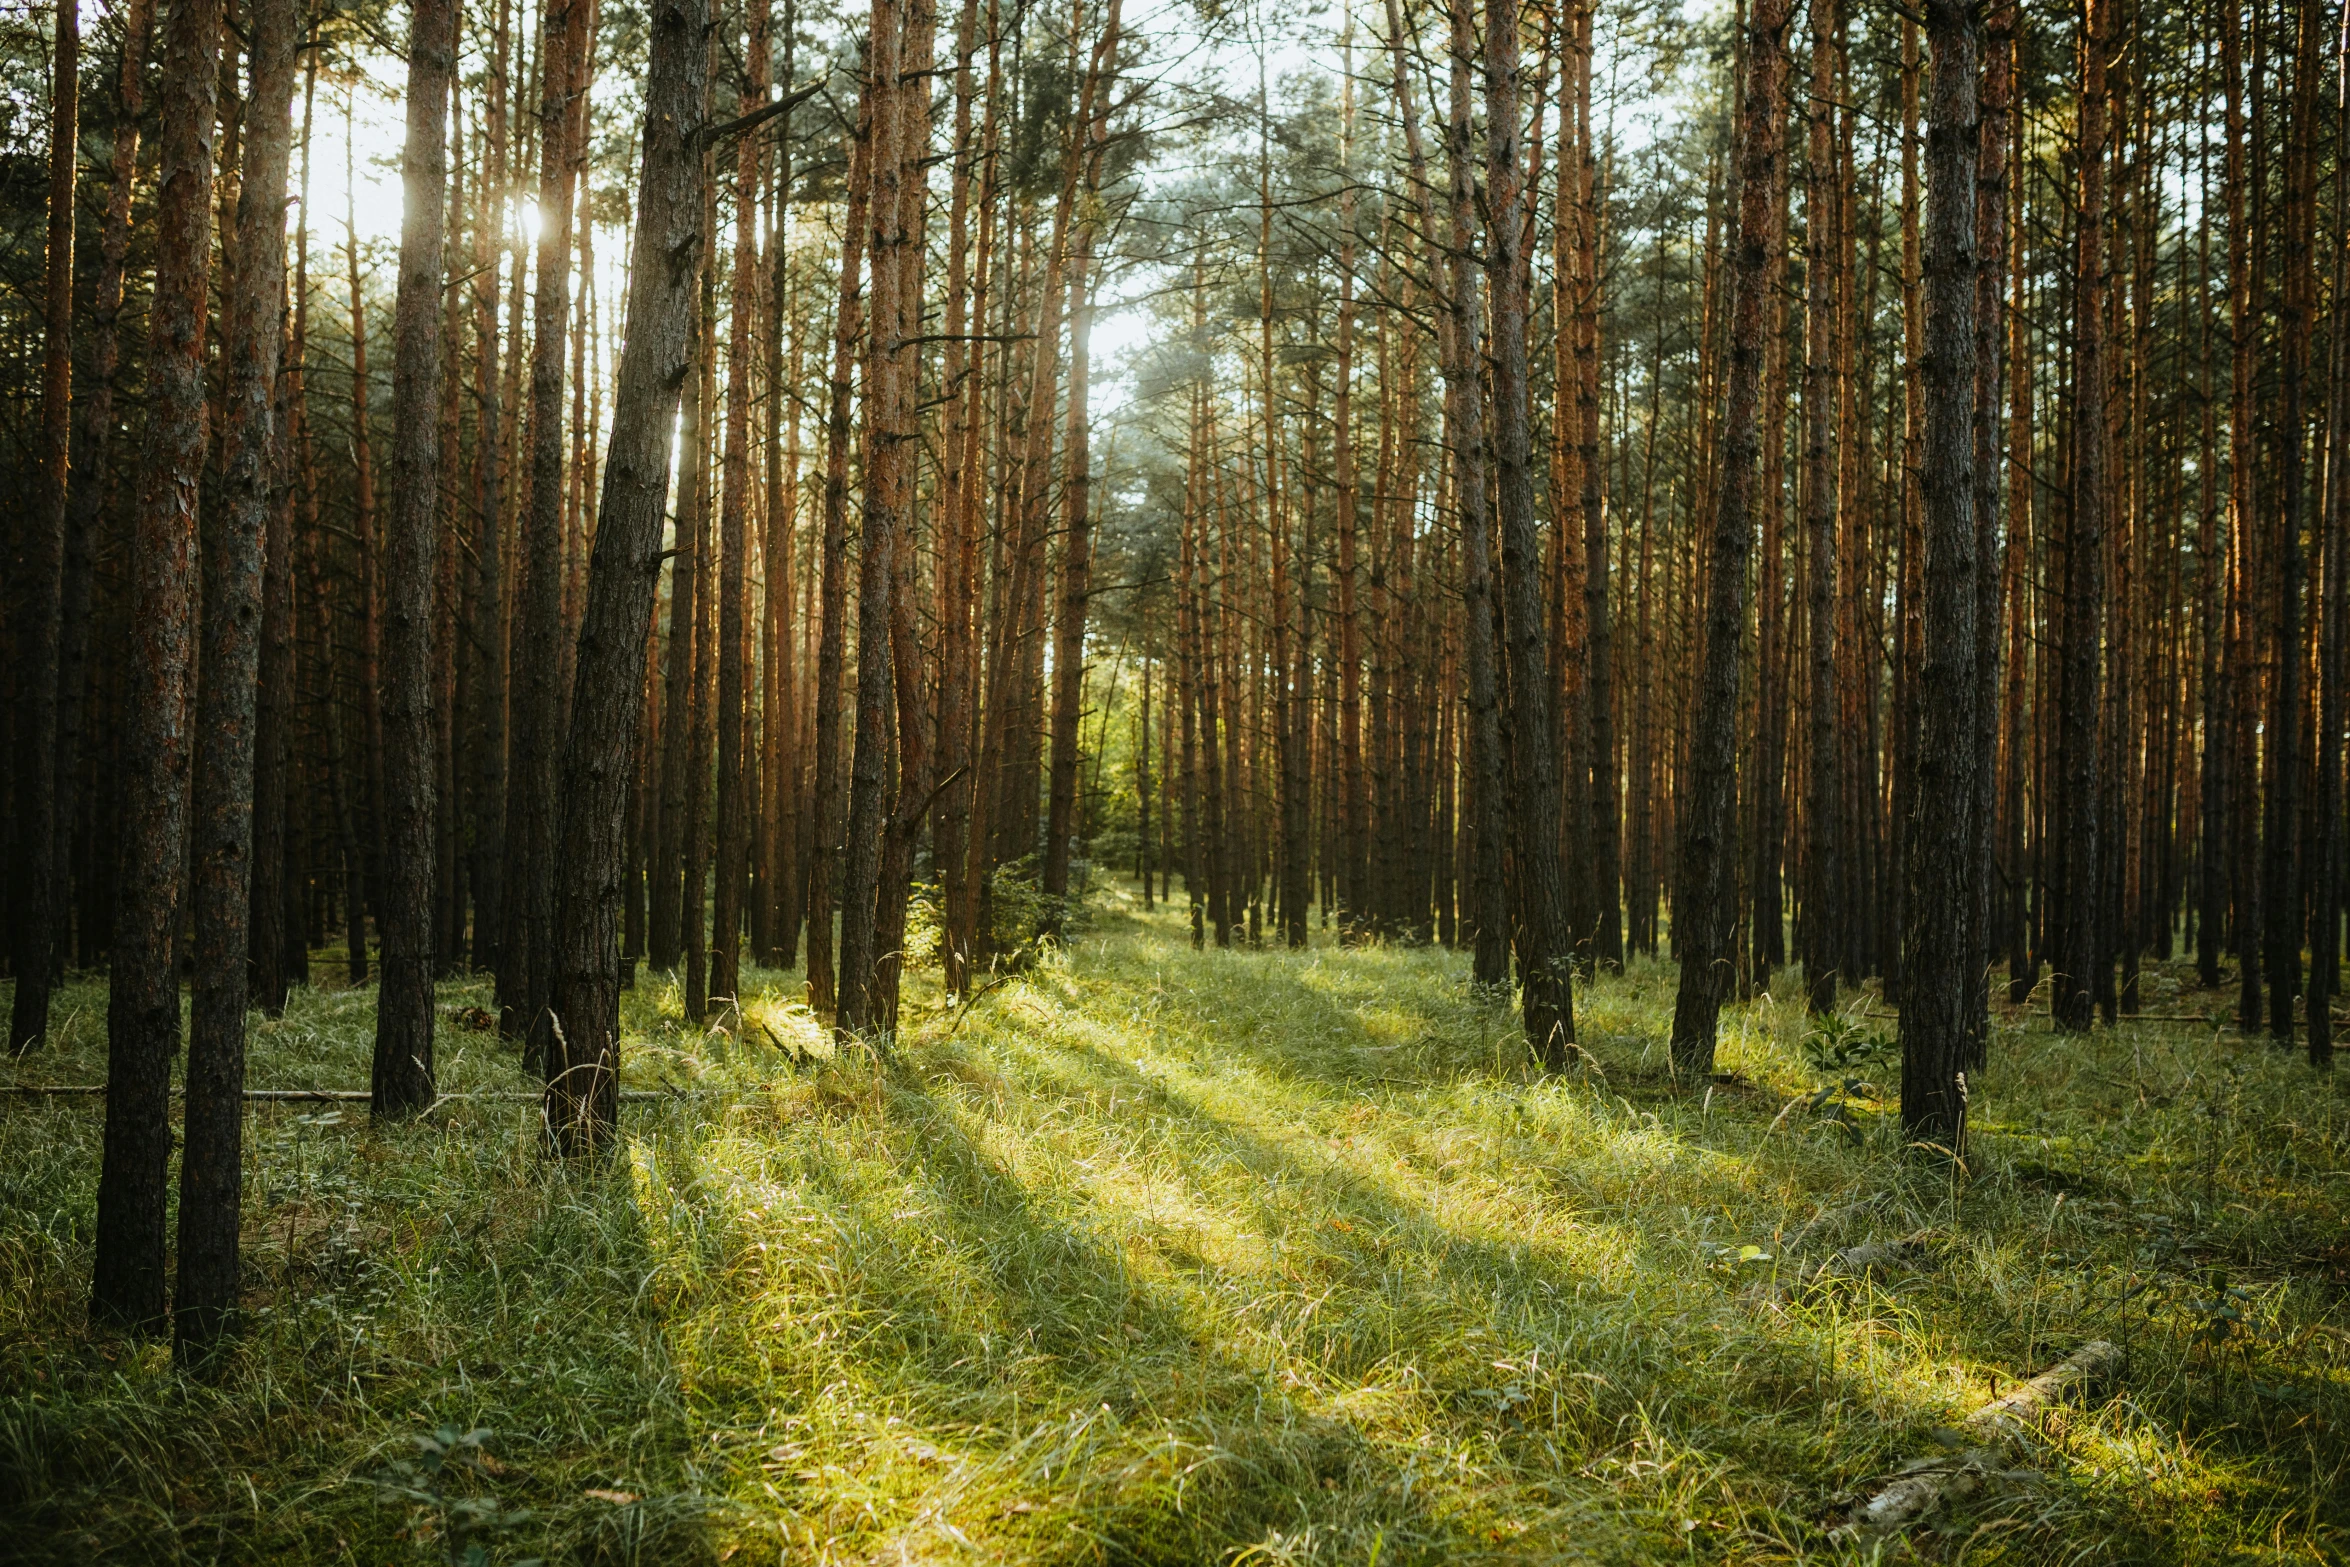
1157,1256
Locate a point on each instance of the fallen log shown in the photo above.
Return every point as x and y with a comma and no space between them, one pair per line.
1999,1429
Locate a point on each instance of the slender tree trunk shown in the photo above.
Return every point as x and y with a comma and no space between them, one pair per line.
41,570
403,1069
1822,941
1598,616
2285,857
142,1012
884,521
91,478
367,813
1937,1033
1487,907
1991,241
1704,896
624,573
2333,674
1546,943
1354,823
822,833
275,942
734,753
531,780
487,807
2074,815
252,327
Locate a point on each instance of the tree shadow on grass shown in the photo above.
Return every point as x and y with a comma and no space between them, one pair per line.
1091,1417
1739,1385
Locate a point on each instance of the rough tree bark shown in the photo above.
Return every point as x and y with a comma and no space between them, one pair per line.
734,777
1940,859
142,1007
1704,894
1486,906
1821,937
252,330
531,804
402,1079
41,570
624,573
2073,815
884,518
1546,940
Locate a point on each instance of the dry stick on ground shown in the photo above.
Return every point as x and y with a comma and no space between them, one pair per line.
1999,1428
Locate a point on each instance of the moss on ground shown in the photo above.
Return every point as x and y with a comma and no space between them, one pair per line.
1162,1256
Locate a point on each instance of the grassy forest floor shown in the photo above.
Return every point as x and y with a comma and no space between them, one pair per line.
1163,1256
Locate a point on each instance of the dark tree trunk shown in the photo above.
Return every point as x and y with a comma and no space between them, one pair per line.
1937,1034
1705,891
1546,942
91,479
142,1010
41,571
888,455
2286,860
819,829
2074,823
1820,937
531,803
1076,585
487,807
402,1079
2333,670
252,328
734,536
1991,240
1487,906
582,1105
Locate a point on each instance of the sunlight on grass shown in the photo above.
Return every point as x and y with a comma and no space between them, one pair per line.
1163,1256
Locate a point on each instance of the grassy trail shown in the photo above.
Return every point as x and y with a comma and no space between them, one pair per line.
1163,1256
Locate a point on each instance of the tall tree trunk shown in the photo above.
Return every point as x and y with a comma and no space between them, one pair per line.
2286,859
1487,905
1076,556
624,573
487,806
884,520
1821,937
142,1009
1598,617
1704,894
821,831
2333,670
41,570
276,942
2074,815
91,478
1546,942
402,1078
252,328
734,753
1353,826
1991,241
962,486
538,655
1937,1033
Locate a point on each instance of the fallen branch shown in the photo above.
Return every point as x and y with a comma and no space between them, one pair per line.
361,1095
1999,1429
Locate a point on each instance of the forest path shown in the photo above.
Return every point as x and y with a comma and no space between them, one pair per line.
1165,1255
